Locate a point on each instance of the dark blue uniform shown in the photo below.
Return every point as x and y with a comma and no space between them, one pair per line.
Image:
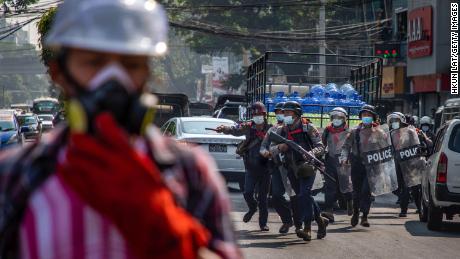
257,172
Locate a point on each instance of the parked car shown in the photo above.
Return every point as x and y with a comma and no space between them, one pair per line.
31,126
441,179
195,131
9,131
47,121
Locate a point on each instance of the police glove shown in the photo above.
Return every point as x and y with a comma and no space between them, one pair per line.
283,148
220,129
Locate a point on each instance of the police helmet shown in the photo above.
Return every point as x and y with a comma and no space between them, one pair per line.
396,115
425,120
338,111
279,106
293,106
258,108
370,109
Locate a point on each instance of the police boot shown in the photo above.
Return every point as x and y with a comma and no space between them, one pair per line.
299,232
364,221
350,207
322,225
248,216
355,217
403,214
329,215
285,228
264,228
307,233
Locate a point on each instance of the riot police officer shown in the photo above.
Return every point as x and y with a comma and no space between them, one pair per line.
334,136
405,137
426,125
279,184
305,134
256,165
351,153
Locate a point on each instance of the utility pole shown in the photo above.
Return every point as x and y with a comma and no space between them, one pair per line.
322,42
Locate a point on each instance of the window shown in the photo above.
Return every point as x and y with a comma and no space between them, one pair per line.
454,141
27,120
171,130
7,125
439,139
231,113
164,127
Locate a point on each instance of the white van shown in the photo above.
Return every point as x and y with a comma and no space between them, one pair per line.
441,179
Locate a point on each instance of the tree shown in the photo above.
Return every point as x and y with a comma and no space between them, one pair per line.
43,26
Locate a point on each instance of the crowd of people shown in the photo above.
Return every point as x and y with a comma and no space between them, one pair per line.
360,164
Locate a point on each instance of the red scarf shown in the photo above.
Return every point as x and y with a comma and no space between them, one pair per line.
259,133
291,133
374,124
333,129
127,188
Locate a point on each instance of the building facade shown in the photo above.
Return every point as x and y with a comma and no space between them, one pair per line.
428,57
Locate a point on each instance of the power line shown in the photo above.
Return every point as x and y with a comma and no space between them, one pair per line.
19,27
235,34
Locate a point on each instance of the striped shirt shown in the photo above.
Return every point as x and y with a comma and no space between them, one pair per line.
40,217
58,224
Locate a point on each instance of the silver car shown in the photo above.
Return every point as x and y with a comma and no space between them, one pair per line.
198,130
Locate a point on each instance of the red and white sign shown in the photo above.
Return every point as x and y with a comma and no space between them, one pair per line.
420,32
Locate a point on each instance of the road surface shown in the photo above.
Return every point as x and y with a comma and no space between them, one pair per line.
388,236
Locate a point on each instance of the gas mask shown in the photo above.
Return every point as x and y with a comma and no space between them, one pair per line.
112,91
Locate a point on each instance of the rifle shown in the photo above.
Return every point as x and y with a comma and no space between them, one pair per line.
318,164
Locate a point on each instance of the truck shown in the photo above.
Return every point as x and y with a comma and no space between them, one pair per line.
296,76
169,106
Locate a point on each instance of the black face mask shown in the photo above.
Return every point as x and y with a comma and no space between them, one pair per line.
126,108
132,110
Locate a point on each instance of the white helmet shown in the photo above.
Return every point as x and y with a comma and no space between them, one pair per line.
415,120
136,27
425,120
339,111
397,115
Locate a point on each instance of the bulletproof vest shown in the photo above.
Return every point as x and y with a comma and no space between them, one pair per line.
299,136
255,140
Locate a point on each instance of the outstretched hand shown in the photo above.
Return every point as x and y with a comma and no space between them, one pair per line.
220,129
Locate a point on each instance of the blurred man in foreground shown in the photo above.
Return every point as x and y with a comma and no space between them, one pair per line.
108,184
